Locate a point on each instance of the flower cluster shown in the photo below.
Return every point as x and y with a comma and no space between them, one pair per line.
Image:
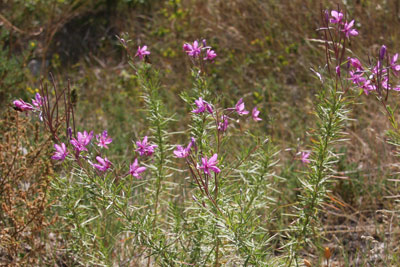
144,148
37,103
103,164
194,50
81,141
209,165
202,106
181,152
375,77
239,108
103,139
343,26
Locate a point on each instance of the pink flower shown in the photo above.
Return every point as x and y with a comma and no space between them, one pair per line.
336,17
385,84
135,170
367,87
209,164
142,52
393,65
38,101
210,55
337,69
187,47
104,164
355,63
144,148
20,105
82,141
304,156
356,77
181,152
61,152
347,29
223,124
103,139
378,70
239,107
255,114
202,106
192,50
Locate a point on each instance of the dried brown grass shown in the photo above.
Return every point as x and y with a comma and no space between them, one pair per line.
25,177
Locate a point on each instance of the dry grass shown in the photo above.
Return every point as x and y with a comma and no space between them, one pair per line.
26,172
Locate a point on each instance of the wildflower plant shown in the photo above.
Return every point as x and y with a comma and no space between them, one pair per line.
331,111
204,194
229,193
214,212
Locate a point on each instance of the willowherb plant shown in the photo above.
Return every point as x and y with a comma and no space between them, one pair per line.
220,218
228,194
208,199
331,113
342,75
379,76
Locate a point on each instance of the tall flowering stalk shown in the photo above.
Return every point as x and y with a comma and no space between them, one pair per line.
86,188
158,121
331,114
213,172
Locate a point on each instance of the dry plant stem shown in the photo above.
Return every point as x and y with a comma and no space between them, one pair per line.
50,112
16,148
57,97
24,210
33,217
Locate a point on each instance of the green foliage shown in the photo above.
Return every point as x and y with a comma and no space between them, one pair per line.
13,75
331,112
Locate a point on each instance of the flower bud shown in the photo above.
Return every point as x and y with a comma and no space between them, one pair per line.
338,71
382,52
326,13
69,133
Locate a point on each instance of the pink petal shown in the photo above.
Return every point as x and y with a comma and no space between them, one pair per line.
140,169
215,169
213,159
